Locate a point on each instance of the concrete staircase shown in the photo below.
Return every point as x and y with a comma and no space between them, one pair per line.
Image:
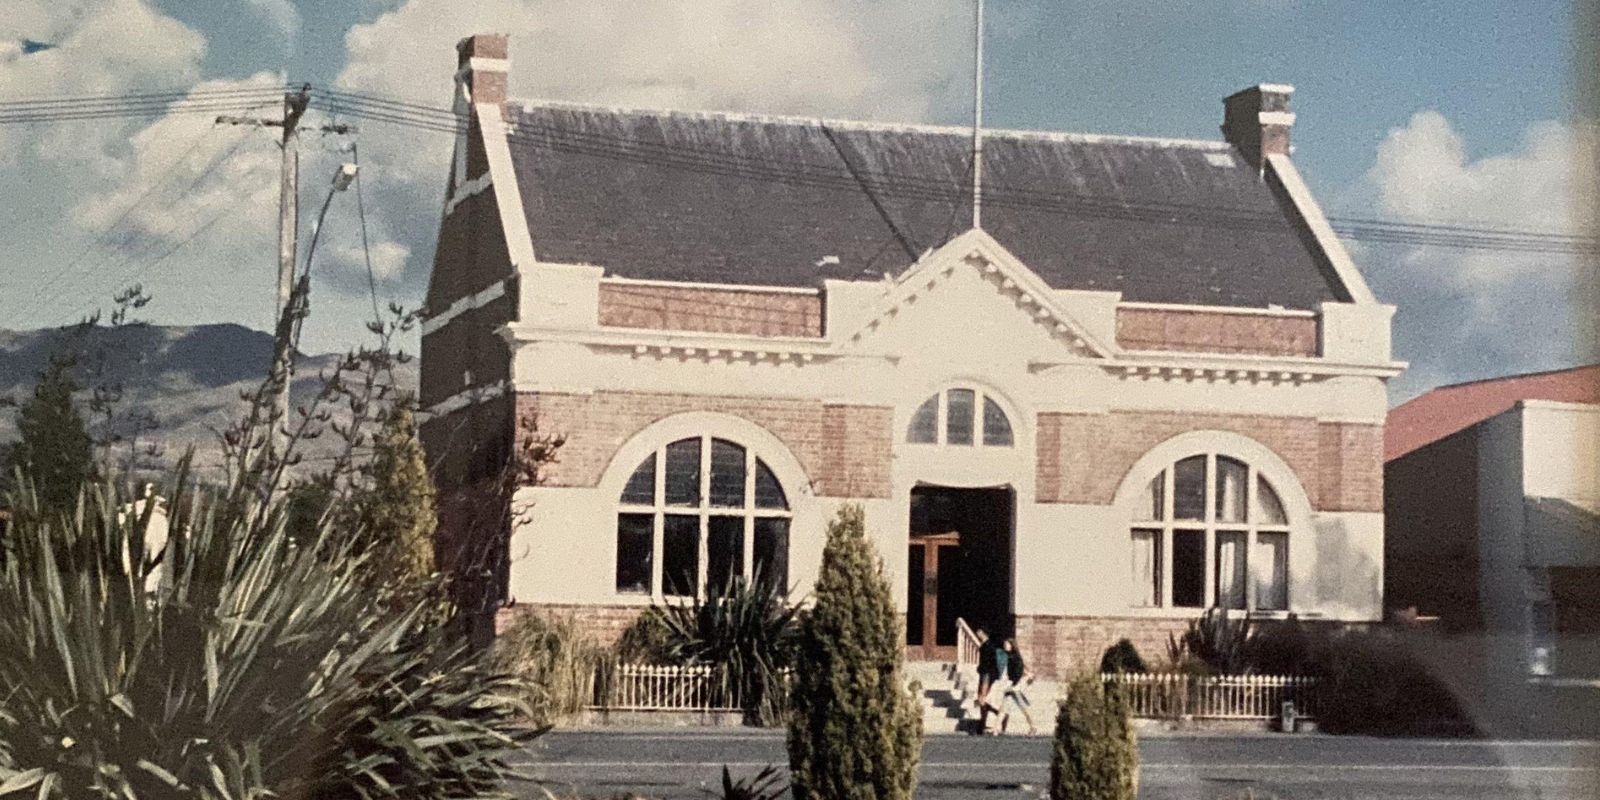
949,698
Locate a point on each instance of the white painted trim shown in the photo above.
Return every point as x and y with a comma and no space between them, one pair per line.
977,250
468,190
1311,213
1285,118
484,64
1276,88
766,446
464,399
462,305
654,338
722,287
1239,310
887,127
1559,405
509,199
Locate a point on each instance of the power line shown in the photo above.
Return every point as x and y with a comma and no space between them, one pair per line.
934,190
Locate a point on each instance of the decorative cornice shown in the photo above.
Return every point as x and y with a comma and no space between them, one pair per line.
1001,270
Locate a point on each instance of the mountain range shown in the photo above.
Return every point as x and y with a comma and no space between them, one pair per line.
190,380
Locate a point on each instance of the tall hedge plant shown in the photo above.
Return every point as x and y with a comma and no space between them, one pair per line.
855,731
1096,755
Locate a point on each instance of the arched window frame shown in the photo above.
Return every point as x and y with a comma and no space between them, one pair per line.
1262,466
703,511
983,400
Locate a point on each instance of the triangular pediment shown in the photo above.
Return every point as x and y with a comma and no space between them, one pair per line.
977,270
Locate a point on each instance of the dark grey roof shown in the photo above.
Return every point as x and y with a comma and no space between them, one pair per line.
755,200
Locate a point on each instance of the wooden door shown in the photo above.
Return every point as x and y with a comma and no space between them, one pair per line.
926,637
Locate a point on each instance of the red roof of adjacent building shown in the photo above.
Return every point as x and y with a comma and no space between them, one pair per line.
1440,412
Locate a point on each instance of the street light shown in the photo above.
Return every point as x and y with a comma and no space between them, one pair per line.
299,298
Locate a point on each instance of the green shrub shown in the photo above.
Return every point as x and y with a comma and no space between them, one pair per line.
556,661
1122,657
1214,643
1096,754
1282,648
230,661
1367,683
648,640
746,632
855,732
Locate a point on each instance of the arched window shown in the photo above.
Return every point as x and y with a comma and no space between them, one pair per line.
960,416
699,512
1210,531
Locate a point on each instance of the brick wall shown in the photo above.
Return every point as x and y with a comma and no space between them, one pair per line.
1083,458
1213,332
603,625
1059,646
845,450
677,308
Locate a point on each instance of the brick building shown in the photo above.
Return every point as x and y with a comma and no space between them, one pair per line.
1152,382
1492,495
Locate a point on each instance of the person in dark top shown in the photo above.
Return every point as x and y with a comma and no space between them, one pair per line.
990,670
1018,677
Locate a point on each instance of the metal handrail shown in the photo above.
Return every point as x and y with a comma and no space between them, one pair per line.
967,643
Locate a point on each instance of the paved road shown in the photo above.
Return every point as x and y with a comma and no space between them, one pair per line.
679,764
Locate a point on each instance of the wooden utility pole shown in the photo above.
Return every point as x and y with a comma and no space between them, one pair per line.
294,107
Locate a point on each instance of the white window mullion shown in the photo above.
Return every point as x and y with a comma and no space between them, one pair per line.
748,562
1210,517
1250,518
703,545
1167,534
658,523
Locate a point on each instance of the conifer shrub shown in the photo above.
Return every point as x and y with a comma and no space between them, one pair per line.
1096,754
1122,657
855,731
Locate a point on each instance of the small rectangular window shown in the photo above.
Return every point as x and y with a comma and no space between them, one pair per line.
769,493
1272,571
1232,490
958,416
925,423
724,552
683,473
996,427
641,488
727,474
1231,569
772,551
680,556
1147,568
635,540
1189,569
1189,489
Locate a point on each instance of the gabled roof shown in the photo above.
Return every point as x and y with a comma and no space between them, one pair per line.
1440,412
760,200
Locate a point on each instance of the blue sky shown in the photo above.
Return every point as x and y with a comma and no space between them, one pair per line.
1414,110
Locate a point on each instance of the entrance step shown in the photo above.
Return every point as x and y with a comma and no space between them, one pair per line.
949,698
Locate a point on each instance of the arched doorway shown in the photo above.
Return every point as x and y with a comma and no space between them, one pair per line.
958,566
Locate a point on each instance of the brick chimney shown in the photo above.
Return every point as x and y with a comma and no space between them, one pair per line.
483,63
1256,122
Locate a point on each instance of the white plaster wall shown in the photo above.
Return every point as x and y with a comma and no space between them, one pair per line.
963,329
1561,451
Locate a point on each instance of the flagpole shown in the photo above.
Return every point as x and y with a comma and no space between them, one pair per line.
977,119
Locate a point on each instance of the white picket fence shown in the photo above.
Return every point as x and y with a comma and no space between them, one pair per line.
1173,695
640,687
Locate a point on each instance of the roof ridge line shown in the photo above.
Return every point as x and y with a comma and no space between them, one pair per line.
866,125
1515,376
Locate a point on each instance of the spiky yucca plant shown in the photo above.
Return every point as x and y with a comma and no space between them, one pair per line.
229,661
746,631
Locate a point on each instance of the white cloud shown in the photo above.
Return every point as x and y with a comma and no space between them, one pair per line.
897,60
281,14
100,47
1474,313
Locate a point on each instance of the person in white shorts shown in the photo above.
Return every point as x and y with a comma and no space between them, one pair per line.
1013,686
